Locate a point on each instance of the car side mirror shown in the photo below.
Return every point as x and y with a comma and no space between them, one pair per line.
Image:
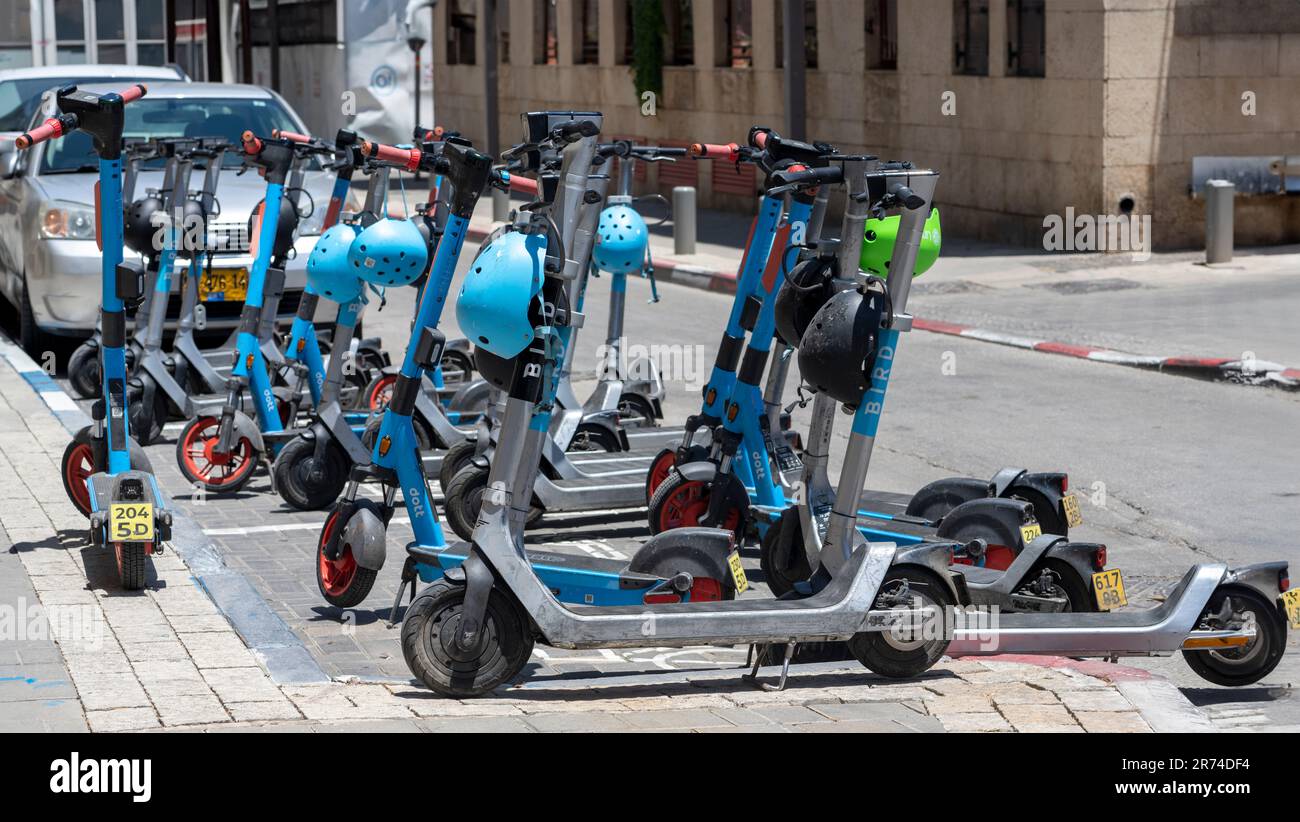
9,162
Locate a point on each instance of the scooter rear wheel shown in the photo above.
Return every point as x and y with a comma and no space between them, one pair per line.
197,457
377,394
305,482
679,502
130,564
453,460
342,582
906,652
83,371
428,632
457,366
86,455
1249,664
147,420
591,437
635,411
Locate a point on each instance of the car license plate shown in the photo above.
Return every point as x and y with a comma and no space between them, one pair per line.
1070,505
737,572
1291,600
1029,533
130,522
1108,585
223,285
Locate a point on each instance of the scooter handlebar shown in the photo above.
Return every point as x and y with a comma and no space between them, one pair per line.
799,177
523,185
713,151
52,128
291,136
132,93
407,158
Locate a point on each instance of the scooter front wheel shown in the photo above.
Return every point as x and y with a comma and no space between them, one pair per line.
203,465
464,498
679,502
907,650
378,392
662,466
147,419
342,582
428,642
86,455
306,482
83,371
1249,663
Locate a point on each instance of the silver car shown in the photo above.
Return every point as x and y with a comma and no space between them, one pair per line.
49,262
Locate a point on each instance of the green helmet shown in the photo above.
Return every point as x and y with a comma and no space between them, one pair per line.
878,245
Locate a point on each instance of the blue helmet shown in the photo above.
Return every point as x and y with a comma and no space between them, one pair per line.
328,271
497,295
621,239
389,252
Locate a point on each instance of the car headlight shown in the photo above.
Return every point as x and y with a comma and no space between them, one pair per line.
67,221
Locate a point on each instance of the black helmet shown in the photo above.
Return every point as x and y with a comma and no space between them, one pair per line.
805,290
138,229
838,349
284,228
193,228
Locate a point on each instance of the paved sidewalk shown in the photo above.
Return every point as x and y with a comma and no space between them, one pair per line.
169,657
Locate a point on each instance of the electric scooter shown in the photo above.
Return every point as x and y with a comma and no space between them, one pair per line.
1229,623
562,485
127,509
220,453
474,627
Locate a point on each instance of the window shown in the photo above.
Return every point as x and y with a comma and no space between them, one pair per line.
809,33
110,32
589,29
629,36
1026,38
301,23
738,26
70,31
15,34
546,43
151,32
460,32
680,26
970,37
882,34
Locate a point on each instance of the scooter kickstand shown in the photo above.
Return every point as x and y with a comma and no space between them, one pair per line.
408,578
757,654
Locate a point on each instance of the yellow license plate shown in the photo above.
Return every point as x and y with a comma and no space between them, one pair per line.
1029,533
737,572
1291,599
1108,585
130,522
223,285
1070,505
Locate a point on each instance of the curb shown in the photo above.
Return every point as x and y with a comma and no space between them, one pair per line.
724,282
286,659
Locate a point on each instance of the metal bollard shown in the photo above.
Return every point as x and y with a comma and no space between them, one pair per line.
1219,196
500,206
683,220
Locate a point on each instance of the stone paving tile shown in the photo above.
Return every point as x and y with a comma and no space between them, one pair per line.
261,711
491,724
1037,718
191,709
122,719
790,714
578,722
1112,722
974,722
1078,701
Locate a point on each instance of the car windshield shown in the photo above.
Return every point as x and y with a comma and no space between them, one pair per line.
188,117
19,99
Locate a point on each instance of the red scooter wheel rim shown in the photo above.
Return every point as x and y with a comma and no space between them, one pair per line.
336,575
659,471
381,392
79,467
687,504
204,463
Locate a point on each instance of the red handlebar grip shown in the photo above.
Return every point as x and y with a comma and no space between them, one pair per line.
408,158
132,93
524,185
291,136
252,145
53,127
712,151
760,139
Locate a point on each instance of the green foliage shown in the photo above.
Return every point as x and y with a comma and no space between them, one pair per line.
648,46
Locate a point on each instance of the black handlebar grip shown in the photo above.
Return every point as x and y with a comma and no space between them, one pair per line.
907,197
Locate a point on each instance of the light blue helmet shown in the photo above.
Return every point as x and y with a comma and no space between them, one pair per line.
621,239
328,270
389,253
496,298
